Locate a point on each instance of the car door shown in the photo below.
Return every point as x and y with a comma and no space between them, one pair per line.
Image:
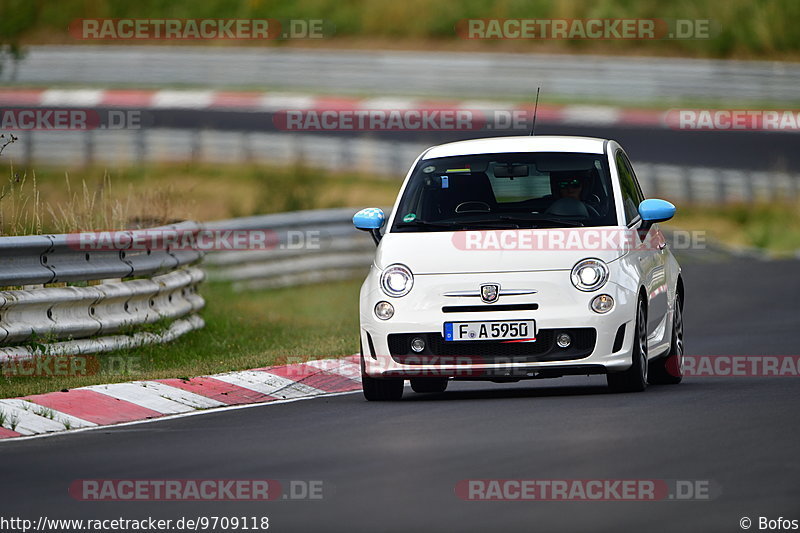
651,255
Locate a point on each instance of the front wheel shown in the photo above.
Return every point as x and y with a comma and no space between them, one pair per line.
381,390
634,379
669,370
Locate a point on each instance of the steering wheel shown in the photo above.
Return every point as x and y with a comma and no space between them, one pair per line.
594,205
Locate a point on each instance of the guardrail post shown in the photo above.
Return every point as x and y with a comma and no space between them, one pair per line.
27,143
749,187
196,145
88,148
346,154
655,182
722,192
688,185
140,147
298,150
247,147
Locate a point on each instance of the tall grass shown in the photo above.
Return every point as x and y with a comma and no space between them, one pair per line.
23,211
52,200
771,226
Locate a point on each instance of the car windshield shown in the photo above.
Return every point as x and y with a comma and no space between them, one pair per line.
496,191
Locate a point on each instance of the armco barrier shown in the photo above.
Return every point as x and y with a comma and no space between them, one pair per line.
385,158
101,299
383,72
309,246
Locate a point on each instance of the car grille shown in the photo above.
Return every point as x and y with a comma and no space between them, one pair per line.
439,352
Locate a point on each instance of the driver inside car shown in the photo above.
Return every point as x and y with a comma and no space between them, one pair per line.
575,185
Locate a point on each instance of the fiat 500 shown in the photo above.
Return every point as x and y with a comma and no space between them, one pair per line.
514,258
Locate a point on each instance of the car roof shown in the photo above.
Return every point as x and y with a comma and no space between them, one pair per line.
527,143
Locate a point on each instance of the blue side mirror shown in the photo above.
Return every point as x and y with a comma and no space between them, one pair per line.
655,210
370,219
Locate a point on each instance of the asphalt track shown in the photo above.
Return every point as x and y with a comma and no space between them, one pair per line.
394,466
745,150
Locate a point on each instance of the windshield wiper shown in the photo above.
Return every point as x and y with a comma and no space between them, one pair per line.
534,222
424,224
558,221
502,223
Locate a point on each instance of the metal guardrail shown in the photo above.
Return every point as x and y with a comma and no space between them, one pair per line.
114,293
386,158
464,74
308,247
104,299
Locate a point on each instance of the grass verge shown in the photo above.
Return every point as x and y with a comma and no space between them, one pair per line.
52,199
243,330
773,227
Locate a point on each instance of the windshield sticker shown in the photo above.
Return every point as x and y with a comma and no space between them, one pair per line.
452,170
429,169
409,217
445,182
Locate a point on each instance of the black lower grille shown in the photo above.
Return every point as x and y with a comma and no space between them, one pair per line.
439,352
619,339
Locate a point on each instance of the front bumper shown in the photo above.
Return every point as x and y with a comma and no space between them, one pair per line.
601,343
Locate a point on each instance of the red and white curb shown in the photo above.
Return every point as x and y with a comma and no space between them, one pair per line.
279,101
104,405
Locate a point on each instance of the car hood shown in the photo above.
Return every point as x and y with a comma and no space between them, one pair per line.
497,250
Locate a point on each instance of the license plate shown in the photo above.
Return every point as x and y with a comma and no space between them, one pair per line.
490,331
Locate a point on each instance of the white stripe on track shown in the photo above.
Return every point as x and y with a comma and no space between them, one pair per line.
270,384
31,418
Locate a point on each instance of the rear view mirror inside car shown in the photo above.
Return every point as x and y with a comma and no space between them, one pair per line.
510,171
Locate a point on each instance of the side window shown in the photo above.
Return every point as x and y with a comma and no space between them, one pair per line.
631,193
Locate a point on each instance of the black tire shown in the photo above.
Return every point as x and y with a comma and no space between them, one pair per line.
634,379
669,370
429,384
382,390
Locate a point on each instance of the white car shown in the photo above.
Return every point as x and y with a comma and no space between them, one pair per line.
513,258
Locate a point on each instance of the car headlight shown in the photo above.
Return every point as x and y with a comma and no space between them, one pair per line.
384,310
397,280
589,275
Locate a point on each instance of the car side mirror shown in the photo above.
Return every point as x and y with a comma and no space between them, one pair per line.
654,210
370,219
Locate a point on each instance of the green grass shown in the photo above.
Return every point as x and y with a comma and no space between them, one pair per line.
243,330
772,227
746,28
60,200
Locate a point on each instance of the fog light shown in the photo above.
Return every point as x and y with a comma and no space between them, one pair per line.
563,340
417,344
384,310
602,303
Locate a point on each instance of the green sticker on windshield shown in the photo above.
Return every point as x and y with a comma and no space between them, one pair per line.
409,217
